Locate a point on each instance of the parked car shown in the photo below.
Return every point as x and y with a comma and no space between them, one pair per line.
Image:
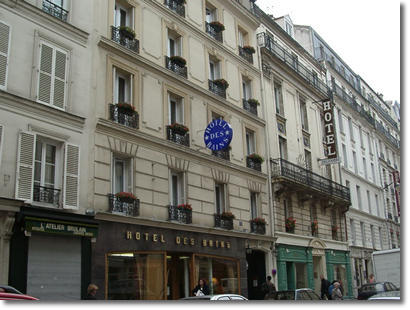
298,294
12,296
9,289
390,295
229,297
370,289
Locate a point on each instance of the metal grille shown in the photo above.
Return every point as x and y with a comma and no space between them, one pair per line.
211,31
179,214
177,137
176,6
223,223
132,44
216,89
250,107
47,195
129,119
130,207
180,70
55,10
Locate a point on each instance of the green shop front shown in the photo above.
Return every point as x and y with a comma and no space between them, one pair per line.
301,267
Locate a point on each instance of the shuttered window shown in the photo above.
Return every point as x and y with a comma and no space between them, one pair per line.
71,176
52,78
25,165
4,53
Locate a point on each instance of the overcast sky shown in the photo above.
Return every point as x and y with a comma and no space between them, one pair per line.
364,33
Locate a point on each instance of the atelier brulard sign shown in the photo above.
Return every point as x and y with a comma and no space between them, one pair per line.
218,135
330,139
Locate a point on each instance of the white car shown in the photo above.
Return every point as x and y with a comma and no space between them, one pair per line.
217,297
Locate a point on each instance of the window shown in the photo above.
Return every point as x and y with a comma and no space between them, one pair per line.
214,68
122,175
365,167
177,188
56,8
340,118
4,53
246,89
279,99
373,174
250,142
361,137
211,14
363,234
353,231
381,238
359,197
283,148
376,197
348,185
308,160
45,162
123,15
52,75
369,143
220,198
354,162
287,205
174,44
373,238
350,128
123,82
345,161
289,28
369,203
254,204
303,114
176,109
242,37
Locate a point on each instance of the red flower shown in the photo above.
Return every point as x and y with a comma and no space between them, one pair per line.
258,220
125,195
185,206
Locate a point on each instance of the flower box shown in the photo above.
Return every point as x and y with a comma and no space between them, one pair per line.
125,197
185,206
221,83
253,102
217,26
249,49
256,157
178,128
290,224
258,225
227,216
178,60
127,32
125,108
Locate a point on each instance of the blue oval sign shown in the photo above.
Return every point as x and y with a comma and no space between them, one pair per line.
218,135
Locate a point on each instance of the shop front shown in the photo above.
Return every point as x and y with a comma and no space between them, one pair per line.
339,268
138,262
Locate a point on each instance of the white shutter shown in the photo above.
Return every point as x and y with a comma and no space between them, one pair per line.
1,141
25,166
4,53
60,79
71,176
45,74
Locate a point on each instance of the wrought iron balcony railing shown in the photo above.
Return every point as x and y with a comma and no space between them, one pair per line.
245,55
123,117
279,52
224,154
250,107
258,228
217,89
253,163
129,207
47,195
132,44
176,5
179,214
382,112
382,130
173,66
55,10
178,137
217,35
223,223
284,169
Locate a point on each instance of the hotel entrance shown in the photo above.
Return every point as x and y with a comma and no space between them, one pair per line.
178,275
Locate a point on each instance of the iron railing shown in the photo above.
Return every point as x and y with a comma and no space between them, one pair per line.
45,194
258,228
217,89
176,5
224,154
245,55
223,223
382,130
294,173
173,66
129,207
132,44
279,52
382,112
253,163
55,10
179,214
217,35
126,118
178,137
250,107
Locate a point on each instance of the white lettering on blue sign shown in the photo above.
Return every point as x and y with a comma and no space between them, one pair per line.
218,135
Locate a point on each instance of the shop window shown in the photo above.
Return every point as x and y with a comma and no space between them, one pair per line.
135,276
340,274
301,275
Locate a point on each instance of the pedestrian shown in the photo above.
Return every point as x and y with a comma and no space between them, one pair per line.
371,278
201,289
268,288
336,293
91,291
324,289
330,289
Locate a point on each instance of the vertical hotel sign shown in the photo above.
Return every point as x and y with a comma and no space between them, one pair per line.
330,138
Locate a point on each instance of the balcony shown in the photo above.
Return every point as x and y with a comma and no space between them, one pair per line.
217,35
382,130
282,170
179,214
176,5
176,135
223,222
124,117
250,106
178,68
55,10
48,195
128,42
246,55
382,112
277,51
258,228
217,89
128,207
224,154
253,163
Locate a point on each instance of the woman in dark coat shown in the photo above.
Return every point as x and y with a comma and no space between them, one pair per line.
201,287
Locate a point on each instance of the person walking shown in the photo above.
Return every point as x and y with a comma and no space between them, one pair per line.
324,288
268,288
336,293
371,278
201,289
91,292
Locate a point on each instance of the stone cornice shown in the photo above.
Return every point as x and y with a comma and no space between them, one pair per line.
135,136
53,24
352,212
299,240
105,216
33,110
10,204
347,171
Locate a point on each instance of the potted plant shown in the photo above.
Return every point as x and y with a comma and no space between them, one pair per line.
258,221
253,102
290,224
178,60
227,216
256,157
127,32
185,207
217,26
125,197
248,49
125,108
314,226
221,83
178,128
